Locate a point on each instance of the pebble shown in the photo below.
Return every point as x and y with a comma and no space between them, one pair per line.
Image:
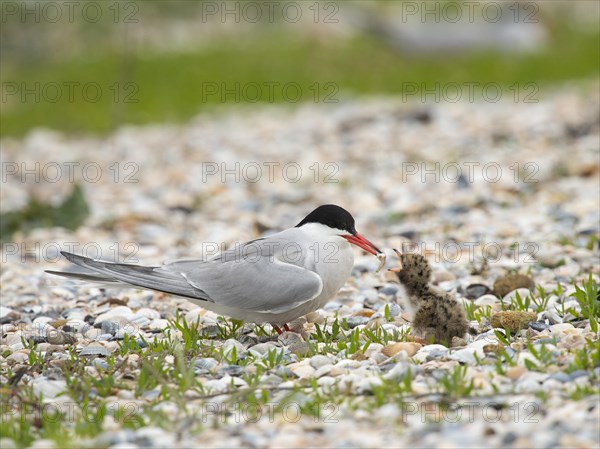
263,348
48,388
579,373
487,300
58,337
206,364
355,321
394,348
475,291
158,325
552,317
95,350
400,370
389,290
511,297
18,357
302,370
466,355
538,325
119,311
318,361
99,363
230,371
315,317
561,377
230,344
515,372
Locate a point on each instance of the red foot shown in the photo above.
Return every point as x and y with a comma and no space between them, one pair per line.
279,331
286,327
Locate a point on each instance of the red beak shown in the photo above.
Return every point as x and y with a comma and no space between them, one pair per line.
359,240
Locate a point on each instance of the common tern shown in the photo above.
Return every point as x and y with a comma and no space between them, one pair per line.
274,279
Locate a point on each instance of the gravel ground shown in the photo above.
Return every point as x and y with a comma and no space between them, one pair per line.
515,190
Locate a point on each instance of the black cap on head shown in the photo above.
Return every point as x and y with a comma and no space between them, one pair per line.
332,216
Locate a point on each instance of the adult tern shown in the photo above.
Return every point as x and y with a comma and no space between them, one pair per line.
274,279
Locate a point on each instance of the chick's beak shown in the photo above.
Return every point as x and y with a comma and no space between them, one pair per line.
359,240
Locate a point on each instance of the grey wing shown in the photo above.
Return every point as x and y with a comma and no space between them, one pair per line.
261,286
256,281
252,277
148,277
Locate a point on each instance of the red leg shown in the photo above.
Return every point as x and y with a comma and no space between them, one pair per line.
286,327
279,331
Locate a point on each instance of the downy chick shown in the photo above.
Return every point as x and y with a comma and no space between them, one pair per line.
436,316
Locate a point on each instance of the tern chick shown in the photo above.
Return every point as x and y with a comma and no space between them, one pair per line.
436,316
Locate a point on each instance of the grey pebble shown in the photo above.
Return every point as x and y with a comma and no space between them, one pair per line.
210,330
36,339
104,337
95,350
509,438
394,309
99,363
151,395
389,290
510,352
552,317
285,372
317,361
231,370
120,334
109,327
400,370
354,321
358,270
475,291
538,325
332,306
59,337
54,374
436,354
438,374
579,373
206,364
561,377
111,438
263,348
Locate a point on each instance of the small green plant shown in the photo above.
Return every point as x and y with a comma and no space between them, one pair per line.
586,358
387,315
521,304
587,297
542,354
483,313
455,385
470,310
228,328
503,360
273,358
503,338
191,333
541,302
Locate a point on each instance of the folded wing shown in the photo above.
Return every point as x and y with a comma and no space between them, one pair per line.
257,281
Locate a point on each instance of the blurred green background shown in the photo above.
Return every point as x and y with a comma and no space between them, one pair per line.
154,61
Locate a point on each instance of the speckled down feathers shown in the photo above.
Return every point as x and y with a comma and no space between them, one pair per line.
438,317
